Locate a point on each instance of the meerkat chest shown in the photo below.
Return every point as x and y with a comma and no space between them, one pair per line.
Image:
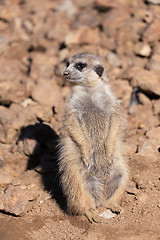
93,115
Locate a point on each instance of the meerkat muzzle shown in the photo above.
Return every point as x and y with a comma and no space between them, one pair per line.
66,74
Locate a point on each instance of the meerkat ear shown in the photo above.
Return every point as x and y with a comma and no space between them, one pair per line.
99,70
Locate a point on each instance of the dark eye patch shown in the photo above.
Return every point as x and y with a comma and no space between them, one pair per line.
67,64
99,70
80,66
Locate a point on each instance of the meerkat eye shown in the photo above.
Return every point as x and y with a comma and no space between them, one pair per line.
80,66
99,70
67,64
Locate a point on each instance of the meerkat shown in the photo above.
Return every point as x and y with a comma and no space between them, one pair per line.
93,171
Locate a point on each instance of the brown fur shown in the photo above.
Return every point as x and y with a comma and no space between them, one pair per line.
93,170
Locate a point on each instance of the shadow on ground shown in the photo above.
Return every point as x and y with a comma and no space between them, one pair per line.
44,158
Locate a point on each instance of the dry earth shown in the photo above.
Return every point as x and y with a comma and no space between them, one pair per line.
36,38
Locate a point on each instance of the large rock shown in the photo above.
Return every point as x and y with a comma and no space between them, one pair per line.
126,39
122,90
143,99
118,17
105,5
8,13
7,116
141,118
147,81
28,112
149,150
13,91
152,33
47,93
154,61
42,66
91,20
8,134
58,24
84,35
156,2
15,199
83,3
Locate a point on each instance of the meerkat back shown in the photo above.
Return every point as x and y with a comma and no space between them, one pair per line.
93,170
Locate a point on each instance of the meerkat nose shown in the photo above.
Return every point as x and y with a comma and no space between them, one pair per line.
65,74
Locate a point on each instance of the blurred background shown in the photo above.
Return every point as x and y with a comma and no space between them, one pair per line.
36,38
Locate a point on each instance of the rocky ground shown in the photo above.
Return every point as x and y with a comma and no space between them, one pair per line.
36,38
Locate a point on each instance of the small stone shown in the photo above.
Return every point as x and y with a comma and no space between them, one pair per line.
30,147
156,107
156,2
28,26
140,185
113,59
107,214
142,197
68,7
27,102
2,162
132,190
142,49
16,182
3,42
154,133
145,15
5,179
148,16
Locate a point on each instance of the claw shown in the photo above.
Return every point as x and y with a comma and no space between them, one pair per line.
116,209
92,216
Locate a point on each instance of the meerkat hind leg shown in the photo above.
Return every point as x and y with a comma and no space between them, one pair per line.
114,190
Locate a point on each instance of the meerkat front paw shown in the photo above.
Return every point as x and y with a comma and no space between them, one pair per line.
92,216
115,208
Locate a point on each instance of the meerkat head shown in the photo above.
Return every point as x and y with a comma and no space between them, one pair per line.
85,69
